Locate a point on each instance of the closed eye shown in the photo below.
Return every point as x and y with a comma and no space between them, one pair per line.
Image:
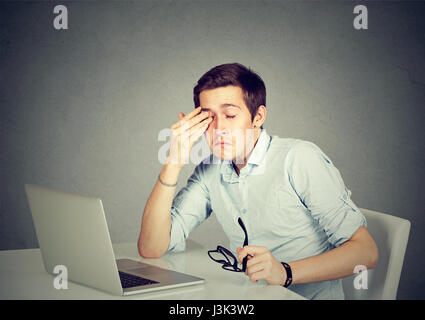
227,116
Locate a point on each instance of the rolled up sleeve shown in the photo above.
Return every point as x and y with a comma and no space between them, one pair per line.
320,187
190,207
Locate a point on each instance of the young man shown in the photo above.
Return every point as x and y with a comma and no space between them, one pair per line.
300,220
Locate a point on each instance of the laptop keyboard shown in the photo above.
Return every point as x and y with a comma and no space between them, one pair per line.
129,280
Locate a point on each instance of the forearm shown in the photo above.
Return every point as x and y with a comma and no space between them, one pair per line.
156,222
337,263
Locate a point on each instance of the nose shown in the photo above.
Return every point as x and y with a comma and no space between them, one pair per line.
218,126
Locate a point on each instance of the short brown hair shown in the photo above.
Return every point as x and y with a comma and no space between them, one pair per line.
236,74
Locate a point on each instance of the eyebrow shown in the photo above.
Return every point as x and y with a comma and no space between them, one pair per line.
222,106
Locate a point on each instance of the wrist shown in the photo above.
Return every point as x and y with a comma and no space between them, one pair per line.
172,168
173,162
170,173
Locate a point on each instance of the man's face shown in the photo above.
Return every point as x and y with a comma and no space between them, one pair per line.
231,134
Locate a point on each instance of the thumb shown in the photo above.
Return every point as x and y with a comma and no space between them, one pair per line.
181,115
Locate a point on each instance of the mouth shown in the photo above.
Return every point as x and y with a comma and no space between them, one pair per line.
222,143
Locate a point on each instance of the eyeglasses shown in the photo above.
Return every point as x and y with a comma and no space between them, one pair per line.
227,258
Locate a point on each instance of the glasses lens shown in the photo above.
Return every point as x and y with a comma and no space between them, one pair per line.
231,268
217,256
226,258
228,254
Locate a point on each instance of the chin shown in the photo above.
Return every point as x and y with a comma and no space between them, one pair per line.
228,156
223,154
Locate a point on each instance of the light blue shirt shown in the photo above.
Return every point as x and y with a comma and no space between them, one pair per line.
290,196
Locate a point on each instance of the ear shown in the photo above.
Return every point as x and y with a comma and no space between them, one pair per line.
260,116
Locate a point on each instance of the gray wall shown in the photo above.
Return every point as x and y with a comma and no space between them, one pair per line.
81,108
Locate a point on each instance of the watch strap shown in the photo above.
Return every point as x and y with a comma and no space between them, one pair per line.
288,274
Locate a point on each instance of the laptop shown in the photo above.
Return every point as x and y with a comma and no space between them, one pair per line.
72,231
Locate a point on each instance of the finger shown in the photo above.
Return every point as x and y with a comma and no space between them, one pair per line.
198,130
185,139
252,250
181,115
194,124
185,124
255,268
254,261
259,275
239,250
187,117
200,126
196,119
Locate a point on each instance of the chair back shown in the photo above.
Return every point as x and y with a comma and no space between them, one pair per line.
391,235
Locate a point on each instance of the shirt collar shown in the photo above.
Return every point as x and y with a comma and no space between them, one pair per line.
255,158
260,148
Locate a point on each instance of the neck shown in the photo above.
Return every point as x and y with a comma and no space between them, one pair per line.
238,166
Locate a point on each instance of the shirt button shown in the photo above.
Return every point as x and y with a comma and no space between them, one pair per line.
243,211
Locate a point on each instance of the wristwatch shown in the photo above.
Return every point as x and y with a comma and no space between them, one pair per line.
288,274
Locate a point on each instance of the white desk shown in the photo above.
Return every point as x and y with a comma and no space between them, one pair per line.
22,276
